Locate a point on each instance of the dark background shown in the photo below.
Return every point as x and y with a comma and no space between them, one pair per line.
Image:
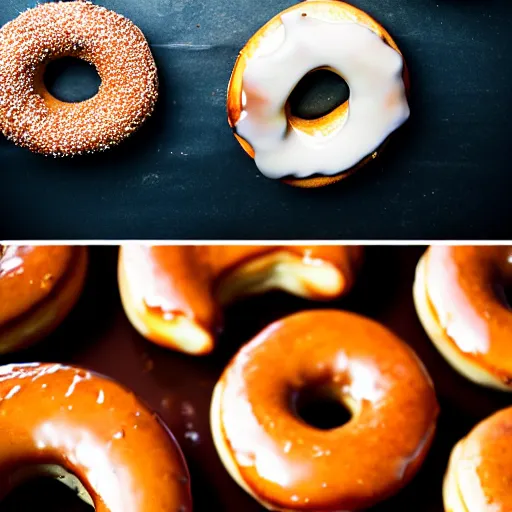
183,176
97,335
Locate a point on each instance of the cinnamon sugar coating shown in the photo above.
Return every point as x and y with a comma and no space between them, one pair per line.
32,118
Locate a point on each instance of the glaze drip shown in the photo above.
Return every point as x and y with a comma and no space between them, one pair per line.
377,105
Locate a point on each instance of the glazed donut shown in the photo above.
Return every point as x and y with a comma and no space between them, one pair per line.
285,463
32,118
39,285
312,35
460,299
173,295
480,468
93,435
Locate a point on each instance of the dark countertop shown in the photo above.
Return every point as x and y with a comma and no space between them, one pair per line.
183,176
97,335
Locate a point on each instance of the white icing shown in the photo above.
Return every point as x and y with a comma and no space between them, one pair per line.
377,104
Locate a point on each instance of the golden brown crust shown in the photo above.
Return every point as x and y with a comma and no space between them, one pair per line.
94,428
338,11
287,464
31,117
39,285
322,181
464,309
164,284
480,468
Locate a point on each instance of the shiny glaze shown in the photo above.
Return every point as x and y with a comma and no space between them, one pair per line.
38,287
185,280
96,429
262,41
484,465
180,388
466,290
293,466
28,274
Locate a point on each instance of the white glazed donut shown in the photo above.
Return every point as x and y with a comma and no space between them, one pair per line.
309,36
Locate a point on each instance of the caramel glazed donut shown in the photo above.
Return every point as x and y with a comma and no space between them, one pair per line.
460,298
312,35
93,435
173,295
480,468
285,463
32,118
38,288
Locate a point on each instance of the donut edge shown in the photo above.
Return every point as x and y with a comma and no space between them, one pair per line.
137,121
47,316
137,315
223,450
452,498
235,83
472,371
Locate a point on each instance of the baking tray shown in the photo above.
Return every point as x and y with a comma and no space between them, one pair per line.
179,387
183,176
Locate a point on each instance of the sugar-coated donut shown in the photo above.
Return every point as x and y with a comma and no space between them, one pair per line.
93,435
480,468
31,117
173,295
39,285
459,294
285,463
312,35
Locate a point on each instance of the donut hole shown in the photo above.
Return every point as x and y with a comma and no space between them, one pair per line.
319,93
46,483
320,407
35,493
71,80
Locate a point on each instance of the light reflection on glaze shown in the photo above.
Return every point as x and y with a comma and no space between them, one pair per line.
481,465
12,392
286,462
365,382
76,379
8,265
38,287
465,289
12,259
187,281
88,452
124,457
